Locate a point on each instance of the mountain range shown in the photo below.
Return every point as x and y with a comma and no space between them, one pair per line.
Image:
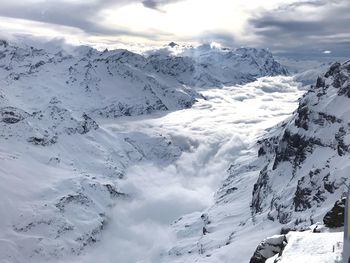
63,155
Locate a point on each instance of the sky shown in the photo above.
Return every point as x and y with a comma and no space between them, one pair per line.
292,27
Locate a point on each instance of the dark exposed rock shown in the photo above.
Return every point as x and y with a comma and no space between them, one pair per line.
3,43
329,185
260,190
335,68
113,191
89,239
78,198
311,190
320,83
340,78
286,230
294,148
124,109
268,248
303,117
345,90
88,124
11,115
316,136
283,213
43,141
342,148
335,217
231,190
172,44
302,197
206,222
323,117
261,151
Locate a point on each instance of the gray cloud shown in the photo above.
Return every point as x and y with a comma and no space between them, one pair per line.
82,15
156,4
62,13
224,38
289,29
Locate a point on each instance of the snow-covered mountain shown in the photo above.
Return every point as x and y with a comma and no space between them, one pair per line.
61,91
207,66
289,182
311,151
79,155
62,160
109,84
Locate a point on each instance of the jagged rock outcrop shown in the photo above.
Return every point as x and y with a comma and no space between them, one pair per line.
304,156
335,217
268,248
11,115
284,184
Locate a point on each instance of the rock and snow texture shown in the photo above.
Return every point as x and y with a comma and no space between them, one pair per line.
81,165
294,176
268,248
71,146
335,217
66,89
206,66
306,158
84,80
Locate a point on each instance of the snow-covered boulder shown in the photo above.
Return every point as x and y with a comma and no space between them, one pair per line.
268,248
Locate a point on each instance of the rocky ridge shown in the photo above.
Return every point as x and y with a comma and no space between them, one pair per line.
289,181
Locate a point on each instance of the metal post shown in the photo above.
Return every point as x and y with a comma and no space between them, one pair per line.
346,247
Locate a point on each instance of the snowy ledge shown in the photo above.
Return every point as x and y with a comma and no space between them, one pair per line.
311,247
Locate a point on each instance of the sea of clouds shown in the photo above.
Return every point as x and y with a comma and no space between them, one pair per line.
212,135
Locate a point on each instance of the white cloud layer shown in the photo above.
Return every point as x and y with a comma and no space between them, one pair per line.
213,134
291,24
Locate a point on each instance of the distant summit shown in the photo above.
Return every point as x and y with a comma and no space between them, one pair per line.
172,44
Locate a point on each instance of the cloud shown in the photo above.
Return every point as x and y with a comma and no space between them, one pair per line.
156,4
300,28
84,15
225,38
214,136
306,27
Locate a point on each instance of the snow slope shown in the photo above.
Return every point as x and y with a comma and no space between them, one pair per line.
87,176
75,166
304,247
111,84
289,181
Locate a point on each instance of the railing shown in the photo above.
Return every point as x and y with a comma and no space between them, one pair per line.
346,245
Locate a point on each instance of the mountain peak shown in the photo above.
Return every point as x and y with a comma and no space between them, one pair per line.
172,44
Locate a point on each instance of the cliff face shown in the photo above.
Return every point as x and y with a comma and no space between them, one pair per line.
289,181
305,160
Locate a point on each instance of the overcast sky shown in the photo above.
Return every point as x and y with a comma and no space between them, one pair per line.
295,26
